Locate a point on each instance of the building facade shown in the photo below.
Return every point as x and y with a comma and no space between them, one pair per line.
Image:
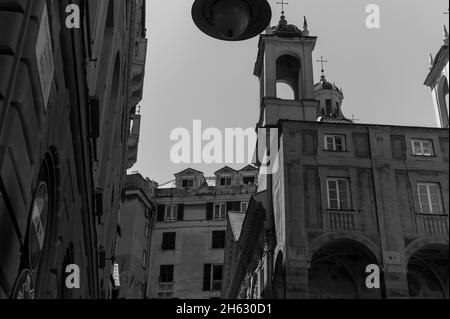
188,235
67,98
346,198
136,218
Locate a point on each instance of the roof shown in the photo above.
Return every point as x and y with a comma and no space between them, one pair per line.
333,119
225,169
188,171
283,29
325,85
236,221
249,168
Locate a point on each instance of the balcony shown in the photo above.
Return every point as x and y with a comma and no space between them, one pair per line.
340,220
166,287
432,225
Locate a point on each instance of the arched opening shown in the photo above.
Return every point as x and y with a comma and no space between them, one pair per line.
288,76
443,101
428,273
338,271
285,91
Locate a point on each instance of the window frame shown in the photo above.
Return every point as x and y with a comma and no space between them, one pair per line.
334,137
165,243
421,152
171,218
215,240
242,206
226,179
222,214
189,182
338,193
173,274
429,203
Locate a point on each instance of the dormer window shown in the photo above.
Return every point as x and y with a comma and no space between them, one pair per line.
249,180
188,183
225,181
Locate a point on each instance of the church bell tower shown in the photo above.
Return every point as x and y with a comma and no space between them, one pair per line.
285,56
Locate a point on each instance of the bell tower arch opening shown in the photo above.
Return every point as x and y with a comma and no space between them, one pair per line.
288,74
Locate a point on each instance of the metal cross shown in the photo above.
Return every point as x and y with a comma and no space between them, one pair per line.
282,5
322,61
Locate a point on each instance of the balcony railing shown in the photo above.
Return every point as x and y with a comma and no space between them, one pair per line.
165,287
432,225
340,220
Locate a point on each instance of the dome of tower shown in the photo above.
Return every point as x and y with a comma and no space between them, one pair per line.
325,85
284,29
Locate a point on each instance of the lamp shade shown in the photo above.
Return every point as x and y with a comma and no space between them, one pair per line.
231,20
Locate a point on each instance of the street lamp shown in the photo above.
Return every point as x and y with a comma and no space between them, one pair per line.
232,20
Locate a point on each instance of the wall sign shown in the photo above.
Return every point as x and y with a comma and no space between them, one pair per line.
44,57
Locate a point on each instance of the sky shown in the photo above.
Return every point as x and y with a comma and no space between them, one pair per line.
190,76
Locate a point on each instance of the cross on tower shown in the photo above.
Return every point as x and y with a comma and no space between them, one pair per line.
282,5
322,61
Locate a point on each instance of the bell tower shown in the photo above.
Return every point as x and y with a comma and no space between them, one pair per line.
285,56
437,80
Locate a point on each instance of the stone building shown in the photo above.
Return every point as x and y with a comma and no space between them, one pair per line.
345,195
67,100
133,244
188,235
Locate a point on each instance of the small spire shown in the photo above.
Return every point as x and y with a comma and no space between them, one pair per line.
305,27
445,35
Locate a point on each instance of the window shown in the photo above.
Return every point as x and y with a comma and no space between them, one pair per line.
339,194
430,198
225,181
244,206
188,183
249,180
166,273
219,211
168,241
422,147
218,239
171,214
144,259
329,108
212,277
335,143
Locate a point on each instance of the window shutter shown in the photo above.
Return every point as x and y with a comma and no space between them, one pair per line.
180,216
161,212
207,277
209,211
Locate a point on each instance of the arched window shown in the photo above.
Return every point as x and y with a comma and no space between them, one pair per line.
288,74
